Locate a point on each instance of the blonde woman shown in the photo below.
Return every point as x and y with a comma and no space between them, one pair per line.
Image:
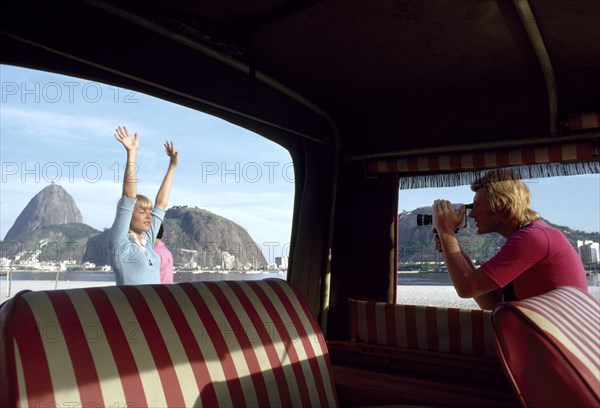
131,238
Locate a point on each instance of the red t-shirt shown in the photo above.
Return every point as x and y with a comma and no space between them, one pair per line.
536,259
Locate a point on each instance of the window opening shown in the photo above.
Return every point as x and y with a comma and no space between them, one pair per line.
572,203
57,133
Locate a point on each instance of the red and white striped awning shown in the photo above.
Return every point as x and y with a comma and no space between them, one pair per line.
453,169
584,120
570,152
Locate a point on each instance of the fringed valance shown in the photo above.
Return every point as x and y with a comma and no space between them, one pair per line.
455,169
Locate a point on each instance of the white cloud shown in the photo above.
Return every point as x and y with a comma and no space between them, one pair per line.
48,125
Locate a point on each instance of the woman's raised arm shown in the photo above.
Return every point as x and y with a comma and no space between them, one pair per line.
131,144
162,197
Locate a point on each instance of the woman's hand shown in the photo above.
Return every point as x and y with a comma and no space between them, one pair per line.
172,153
131,143
445,217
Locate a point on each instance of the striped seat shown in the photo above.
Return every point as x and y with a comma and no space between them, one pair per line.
226,344
439,329
549,346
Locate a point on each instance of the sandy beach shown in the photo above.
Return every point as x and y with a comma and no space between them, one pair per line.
442,296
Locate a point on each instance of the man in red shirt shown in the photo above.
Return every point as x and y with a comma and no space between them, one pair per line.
535,259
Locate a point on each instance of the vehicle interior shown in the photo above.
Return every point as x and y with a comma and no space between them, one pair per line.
367,97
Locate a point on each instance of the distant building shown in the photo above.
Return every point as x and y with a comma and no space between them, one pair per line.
282,262
589,251
228,260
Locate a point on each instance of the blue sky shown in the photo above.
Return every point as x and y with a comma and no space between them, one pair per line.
58,128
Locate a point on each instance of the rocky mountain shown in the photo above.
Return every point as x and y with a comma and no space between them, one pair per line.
199,237
96,249
51,229
51,206
56,243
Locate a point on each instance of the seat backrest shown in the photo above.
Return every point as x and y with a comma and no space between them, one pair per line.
232,344
450,330
549,346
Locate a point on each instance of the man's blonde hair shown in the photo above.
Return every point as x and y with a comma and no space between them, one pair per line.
504,188
143,202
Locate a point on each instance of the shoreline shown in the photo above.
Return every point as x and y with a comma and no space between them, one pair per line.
423,295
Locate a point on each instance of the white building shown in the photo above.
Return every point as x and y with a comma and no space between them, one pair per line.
589,251
282,262
228,260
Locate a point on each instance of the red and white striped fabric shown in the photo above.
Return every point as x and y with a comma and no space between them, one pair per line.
485,159
458,331
233,344
550,347
584,120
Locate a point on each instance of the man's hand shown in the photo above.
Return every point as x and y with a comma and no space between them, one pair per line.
438,243
445,217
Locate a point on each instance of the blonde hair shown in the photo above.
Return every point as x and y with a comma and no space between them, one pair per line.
504,188
143,202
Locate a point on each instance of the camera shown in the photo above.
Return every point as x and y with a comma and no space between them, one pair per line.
427,219
424,219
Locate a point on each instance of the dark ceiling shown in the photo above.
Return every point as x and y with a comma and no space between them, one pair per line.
367,76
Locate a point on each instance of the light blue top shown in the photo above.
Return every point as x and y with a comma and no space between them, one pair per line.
129,263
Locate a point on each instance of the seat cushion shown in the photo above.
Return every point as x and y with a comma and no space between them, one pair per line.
549,346
232,343
449,330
